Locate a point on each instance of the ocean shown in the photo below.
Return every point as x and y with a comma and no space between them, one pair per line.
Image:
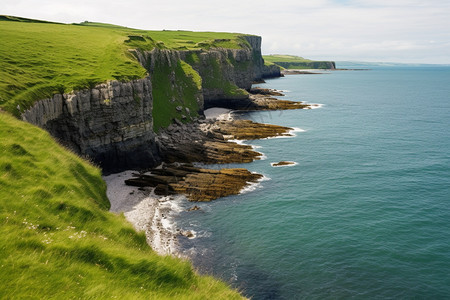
364,213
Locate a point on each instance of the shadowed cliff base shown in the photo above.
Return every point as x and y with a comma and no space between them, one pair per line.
258,99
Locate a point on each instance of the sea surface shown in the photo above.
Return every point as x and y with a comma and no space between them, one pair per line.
365,212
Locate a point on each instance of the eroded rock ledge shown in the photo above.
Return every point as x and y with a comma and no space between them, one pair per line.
198,184
211,142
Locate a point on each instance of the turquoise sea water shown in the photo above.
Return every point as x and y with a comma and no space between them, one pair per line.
364,214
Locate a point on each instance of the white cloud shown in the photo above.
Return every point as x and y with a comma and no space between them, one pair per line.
324,29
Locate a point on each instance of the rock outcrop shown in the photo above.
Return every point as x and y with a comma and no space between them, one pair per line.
283,163
110,123
225,73
202,142
271,71
197,184
258,62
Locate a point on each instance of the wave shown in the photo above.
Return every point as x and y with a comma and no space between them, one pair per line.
261,156
290,134
254,185
316,105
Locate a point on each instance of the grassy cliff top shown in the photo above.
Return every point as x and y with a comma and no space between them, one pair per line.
39,58
274,58
296,62
59,241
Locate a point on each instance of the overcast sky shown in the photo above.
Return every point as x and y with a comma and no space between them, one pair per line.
416,31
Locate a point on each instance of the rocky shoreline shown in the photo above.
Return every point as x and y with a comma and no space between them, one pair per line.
205,141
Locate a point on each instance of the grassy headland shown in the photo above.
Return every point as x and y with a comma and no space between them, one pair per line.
296,62
39,59
58,239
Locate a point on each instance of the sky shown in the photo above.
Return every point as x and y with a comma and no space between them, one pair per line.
408,31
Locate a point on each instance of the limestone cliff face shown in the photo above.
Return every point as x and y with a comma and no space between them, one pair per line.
258,61
223,71
164,63
111,123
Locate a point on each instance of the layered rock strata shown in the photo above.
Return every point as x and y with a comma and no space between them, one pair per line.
249,130
197,184
202,142
210,141
110,123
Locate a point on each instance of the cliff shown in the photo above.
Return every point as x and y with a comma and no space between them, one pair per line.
297,62
114,123
308,65
110,123
271,71
224,73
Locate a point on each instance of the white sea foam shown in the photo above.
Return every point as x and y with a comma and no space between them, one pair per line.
234,274
240,142
203,233
261,156
253,185
315,105
290,134
250,187
296,129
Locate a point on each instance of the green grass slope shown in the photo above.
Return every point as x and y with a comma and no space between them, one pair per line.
297,62
38,58
58,241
